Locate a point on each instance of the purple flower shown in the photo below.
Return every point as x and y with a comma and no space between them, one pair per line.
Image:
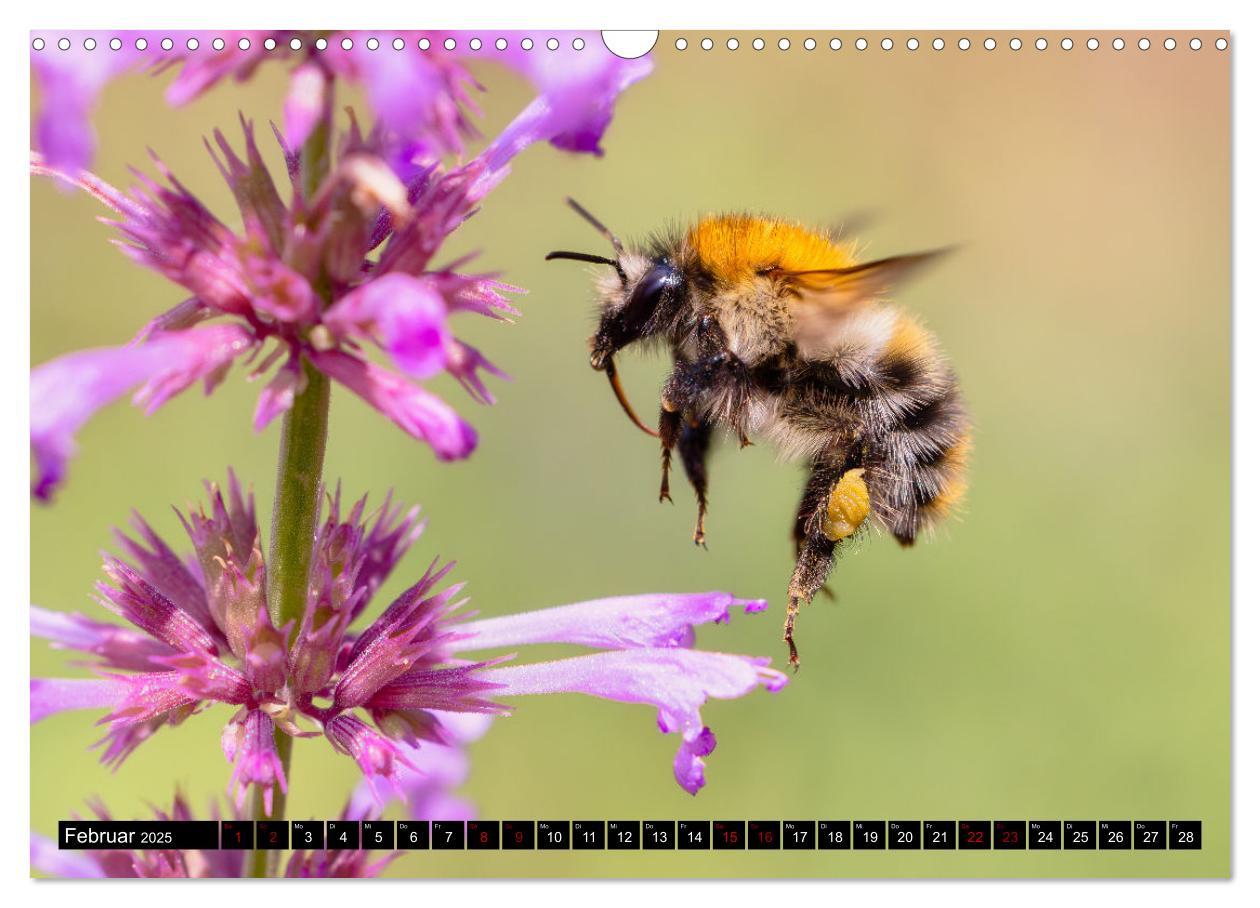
313,280
47,858
383,694
423,99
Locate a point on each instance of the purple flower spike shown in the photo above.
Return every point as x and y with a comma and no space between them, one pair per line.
676,681
398,695
302,281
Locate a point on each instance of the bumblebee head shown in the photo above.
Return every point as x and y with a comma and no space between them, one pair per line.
629,311
630,304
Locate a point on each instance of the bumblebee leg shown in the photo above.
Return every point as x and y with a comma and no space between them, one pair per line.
810,499
693,446
833,508
670,429
813,564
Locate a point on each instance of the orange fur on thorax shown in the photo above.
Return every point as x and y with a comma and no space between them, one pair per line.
735,247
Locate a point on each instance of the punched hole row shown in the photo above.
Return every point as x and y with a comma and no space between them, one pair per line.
346,43
939,44
502,44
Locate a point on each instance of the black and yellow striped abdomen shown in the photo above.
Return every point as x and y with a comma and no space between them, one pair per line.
889,403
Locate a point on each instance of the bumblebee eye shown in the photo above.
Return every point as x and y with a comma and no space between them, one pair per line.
630,322
647,295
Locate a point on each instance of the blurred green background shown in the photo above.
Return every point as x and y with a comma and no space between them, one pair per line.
1062,650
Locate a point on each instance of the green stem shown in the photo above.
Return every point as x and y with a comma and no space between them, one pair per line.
298,478
299,474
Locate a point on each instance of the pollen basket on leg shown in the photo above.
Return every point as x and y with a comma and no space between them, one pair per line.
847,507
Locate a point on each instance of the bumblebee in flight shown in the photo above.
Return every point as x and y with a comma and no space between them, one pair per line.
777,332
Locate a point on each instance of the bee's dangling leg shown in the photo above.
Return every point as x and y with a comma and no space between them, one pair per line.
670,428
693,446
809,504
836,508
813,564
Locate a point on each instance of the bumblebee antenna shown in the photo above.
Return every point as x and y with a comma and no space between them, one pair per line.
581,257
595,222
595,259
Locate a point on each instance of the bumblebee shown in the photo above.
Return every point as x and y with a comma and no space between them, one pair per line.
777,332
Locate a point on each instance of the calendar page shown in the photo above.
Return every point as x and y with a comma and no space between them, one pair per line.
771,454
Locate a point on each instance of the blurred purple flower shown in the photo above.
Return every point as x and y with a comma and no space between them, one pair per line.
312,280
422,98
205,636
47,858
436,769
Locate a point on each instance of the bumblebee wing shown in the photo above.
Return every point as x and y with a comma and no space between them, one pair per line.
852,224
825,298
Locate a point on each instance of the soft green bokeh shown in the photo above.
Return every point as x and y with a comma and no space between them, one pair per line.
1060,651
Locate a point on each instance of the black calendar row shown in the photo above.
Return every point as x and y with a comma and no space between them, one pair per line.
635,835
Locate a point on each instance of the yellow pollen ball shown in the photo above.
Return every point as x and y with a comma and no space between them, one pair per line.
847,507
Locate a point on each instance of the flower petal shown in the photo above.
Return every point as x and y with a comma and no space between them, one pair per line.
401,637
200,71
134,598
117,647
277,395
456,688
159,565
149,696
405,315
575,104
462,362
305,102
376,754
47,858
621,622
67,391
422,98
676,681
69,84
414,410
54,695
249,743
439,768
